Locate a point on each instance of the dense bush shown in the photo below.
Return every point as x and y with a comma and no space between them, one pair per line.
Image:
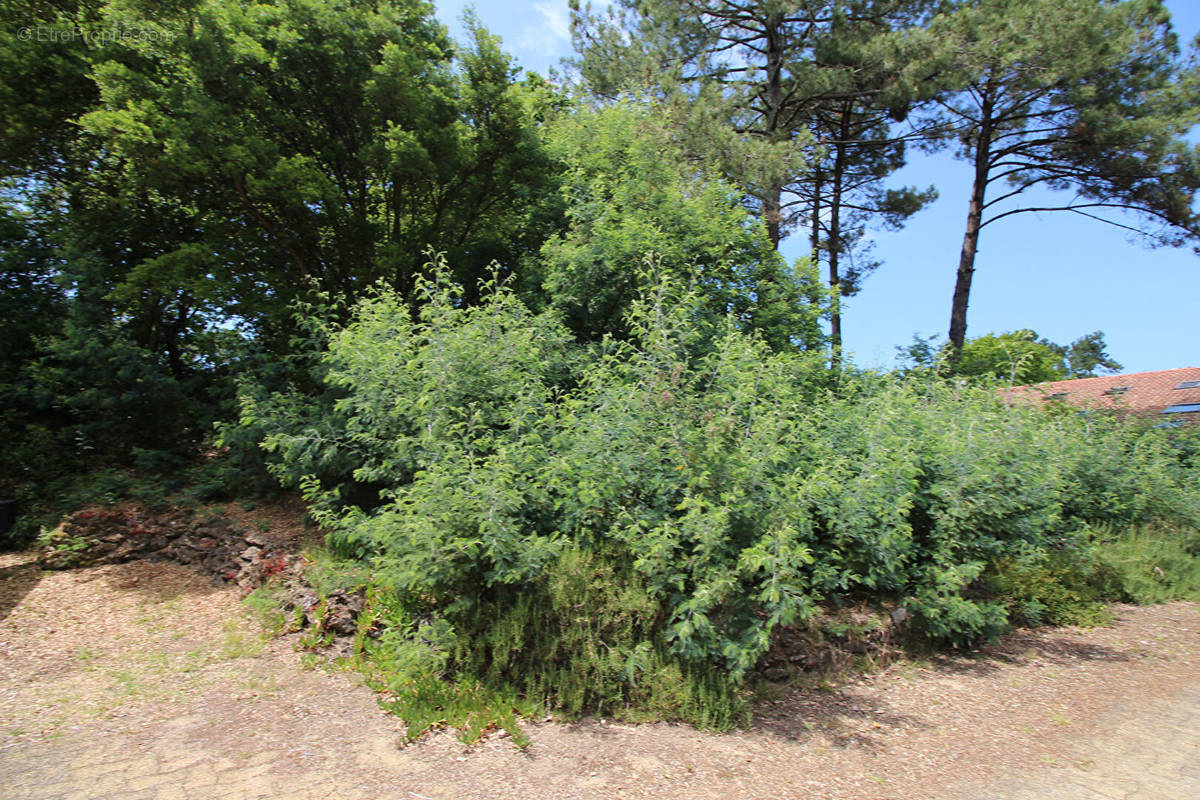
630,187
623,530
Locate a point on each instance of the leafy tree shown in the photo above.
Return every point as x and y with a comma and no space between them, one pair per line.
44,83
1017,357
1077,96
1088,354
856,149
323,143
794,101
695,46
31,308
629,193
31,299
179,185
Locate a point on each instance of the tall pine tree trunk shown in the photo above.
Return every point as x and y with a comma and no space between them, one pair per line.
773,212
773,125
841,155
970,245
835,278
814,239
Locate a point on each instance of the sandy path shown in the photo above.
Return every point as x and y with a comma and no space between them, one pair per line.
142,681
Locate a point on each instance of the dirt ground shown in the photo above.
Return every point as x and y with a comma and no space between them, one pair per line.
142,680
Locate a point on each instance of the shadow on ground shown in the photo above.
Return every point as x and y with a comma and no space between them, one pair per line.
848,719
1051,646
157,581
16,581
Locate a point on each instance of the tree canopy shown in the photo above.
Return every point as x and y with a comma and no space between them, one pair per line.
1015,357
630,191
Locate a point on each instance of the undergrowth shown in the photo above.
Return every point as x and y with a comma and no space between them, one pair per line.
1147,564
622,529
579,641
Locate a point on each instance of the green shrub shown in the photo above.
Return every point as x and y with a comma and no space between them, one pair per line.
1064,588
586,636
621,528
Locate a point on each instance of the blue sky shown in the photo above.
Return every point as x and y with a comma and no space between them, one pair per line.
1060,274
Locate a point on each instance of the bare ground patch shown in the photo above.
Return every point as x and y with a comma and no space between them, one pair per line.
144,680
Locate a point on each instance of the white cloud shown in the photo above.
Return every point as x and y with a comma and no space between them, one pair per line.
551,32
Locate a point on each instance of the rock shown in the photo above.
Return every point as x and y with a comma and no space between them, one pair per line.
255,540
341,623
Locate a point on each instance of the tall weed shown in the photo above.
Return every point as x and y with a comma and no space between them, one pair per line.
1151,563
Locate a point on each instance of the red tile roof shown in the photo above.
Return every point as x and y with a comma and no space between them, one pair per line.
1148,393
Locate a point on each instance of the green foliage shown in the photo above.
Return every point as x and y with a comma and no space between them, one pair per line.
585,637
114,397
166,194
621,528
1059,588
265,605
1015,358
629,190
1088,354
318,141
1151,563
424,699
43,83
1087,98
1139,563
595,459
43,503
66,549
795,105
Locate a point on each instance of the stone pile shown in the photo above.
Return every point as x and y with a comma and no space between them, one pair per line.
335,615
214,545
225,551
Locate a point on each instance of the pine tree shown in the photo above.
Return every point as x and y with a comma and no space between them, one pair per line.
795,101
1074,95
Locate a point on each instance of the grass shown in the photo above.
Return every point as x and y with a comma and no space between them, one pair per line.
260,687
240,643
129,681
911,666
428,702
86,657
1149,564
265,605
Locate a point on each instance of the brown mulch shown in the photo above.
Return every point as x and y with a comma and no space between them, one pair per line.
123,653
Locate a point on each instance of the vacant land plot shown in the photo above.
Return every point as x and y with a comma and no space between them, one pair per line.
143,681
